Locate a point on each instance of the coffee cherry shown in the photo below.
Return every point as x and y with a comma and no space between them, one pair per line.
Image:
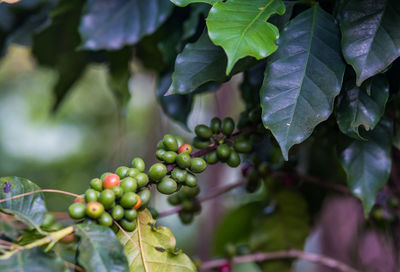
234,159
242,146
91,195
107,198
200,144
122,171
179,140
183,160
160,154
174,200
94,209
139,164
130,214
96,184
128,200
185,148
128,225
118,191
145,196
115,228
80,199
215,125
179,174
105,219
158,171
228,125
198,165
211,158
133,172
191,180
169,157
129,184
117,212
48,220
203,132
190,192
186,217
160,144
142,179
167,186
170,143
223,152
188,205
138,203
67,239
105,175
111,181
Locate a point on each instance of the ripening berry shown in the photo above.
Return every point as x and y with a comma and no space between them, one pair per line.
138,203
67,239
185,148
80,199
111,181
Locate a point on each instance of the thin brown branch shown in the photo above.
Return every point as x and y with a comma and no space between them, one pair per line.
288,254
39,191
74,266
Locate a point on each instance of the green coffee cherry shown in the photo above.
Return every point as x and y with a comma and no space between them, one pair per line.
212,157
128,225
198,165
105,219
191,180
179,174
234,159
142,179
186,217
130,214
158,171
203,132
242,146
128,200
117,212
160,144
105,175
160,154
215,125
107,198
94,209
228,125
139,164
122,171
183,160
179,141
48,220
132,172
188,205
190,192
199,143
174,200
223,152
91,195
169,157
96,184
118,191
167,186
145,196
129,184
170,143
77,210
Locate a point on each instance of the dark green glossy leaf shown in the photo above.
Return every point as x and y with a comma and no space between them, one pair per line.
30,209
244,33
285,228
396,137
367,163
99,249
370,35
32,260
302,78
356,108
184,3
198,13
114,24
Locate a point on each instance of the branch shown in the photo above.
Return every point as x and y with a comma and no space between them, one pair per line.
39,191
288,254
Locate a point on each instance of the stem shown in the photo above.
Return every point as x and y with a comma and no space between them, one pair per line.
39,191
287,254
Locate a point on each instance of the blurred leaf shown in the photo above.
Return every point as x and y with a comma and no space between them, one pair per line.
280,21
368,163
99,249
356,108
153,249
8,231
30,209
252,81
32,260
396,137
184,3
114,24
302,78
286,228
198,13
236,226
56,46
370,35
247,33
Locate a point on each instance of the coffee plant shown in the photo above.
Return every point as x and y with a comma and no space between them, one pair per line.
321,118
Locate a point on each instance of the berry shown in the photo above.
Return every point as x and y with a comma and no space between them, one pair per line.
91,195
174,200
185,148
212,157
169,157
145,196
223,152
104,175
234,159
191,180
128,225
129,184
160,144
242,146
179,174
167,186
117,212
94,209
130,214
186,217
96,184
190,192
200,144
228,126
183,160
118,191
48,220
80,199
215,125
142,179
138,203
105,219
132,172
203,132
139,164
170,143
160,154
107,198
157,171
198,165
111,181
67,239
122,171
179,140
128,200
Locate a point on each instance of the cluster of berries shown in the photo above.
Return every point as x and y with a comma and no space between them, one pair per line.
115,197
186,197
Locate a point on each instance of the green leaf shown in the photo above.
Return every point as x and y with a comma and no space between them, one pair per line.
198,13
100,250
370,35
302,78
112,24
396,137
368,163
241,28
32,260
153,249
285,228
30,209
356,108
184,3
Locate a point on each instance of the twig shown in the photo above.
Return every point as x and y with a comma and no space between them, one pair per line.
39,191
74,266
288,254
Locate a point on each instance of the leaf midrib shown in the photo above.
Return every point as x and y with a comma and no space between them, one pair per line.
141,243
